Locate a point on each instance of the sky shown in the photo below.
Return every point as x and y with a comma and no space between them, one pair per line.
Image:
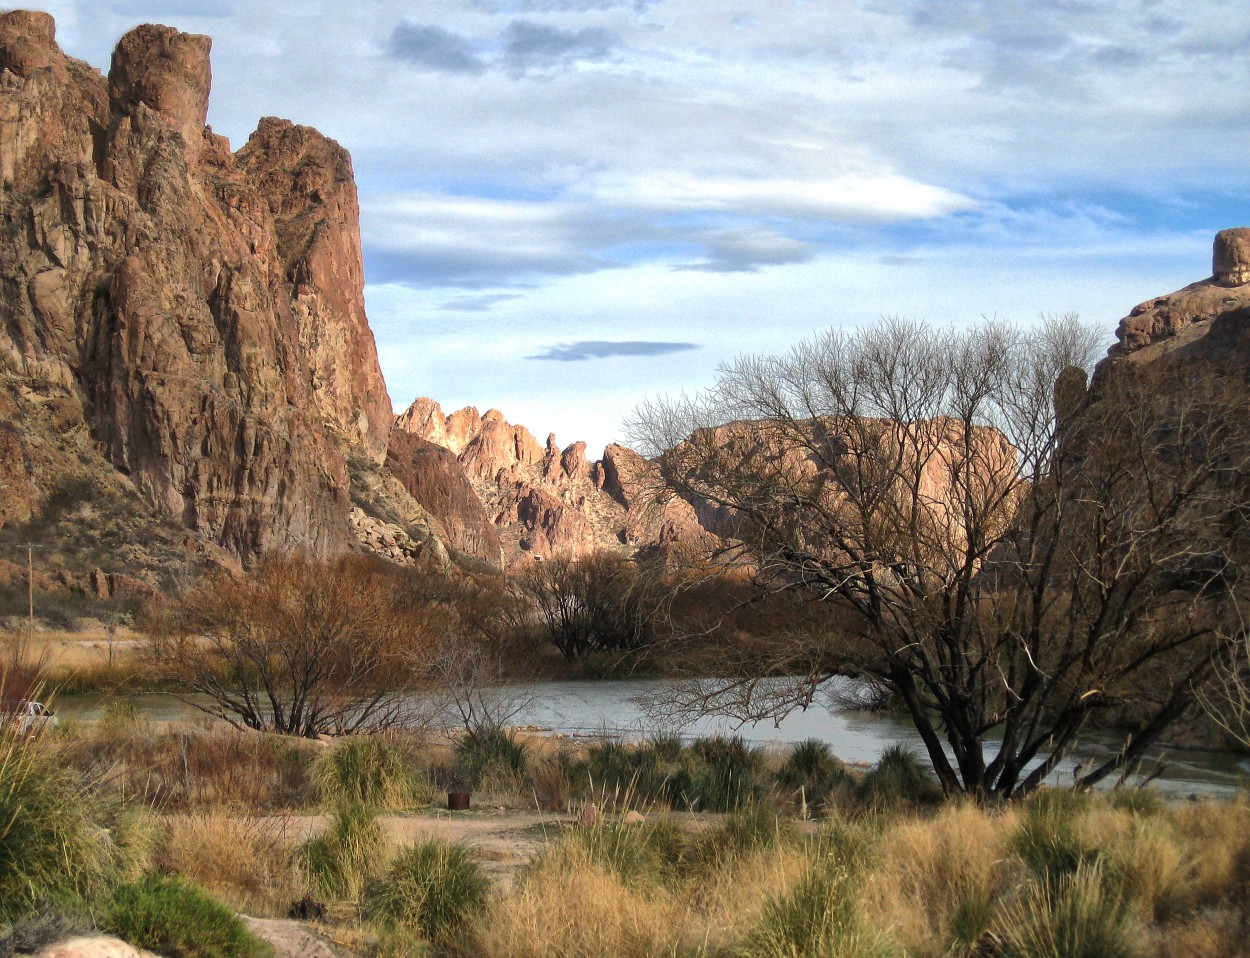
569,206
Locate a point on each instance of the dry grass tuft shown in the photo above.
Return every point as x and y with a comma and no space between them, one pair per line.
938,880
248,861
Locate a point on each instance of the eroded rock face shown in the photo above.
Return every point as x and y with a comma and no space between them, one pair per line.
1217,307
544,500
205,307
434,477
1231,257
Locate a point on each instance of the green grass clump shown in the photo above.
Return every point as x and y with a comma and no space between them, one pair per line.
432,887
492,754
177,919
812,773
1077,917
727,779
750,829
367,772
898,778
53,843
1049,840
339,862
819,917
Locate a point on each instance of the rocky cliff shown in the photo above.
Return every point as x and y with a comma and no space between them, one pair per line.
197,314
537,499
1209,319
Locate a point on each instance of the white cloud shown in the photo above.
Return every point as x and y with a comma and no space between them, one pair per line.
567,171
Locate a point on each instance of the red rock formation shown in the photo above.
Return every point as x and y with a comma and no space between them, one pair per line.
1218,306
206,307
433,476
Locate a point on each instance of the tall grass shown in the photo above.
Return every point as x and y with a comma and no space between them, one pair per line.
340,862
367,771
1079,916
54,845
246,860
897,779
431,887
820,917
811,774
492,757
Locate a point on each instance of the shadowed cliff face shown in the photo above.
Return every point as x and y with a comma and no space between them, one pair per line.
206,308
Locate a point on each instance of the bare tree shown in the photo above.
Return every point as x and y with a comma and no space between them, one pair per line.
602,602
300,647
1002,551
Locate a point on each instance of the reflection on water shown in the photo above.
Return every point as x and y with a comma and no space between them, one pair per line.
591,708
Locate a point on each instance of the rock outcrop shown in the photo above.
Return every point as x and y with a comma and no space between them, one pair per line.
1207,318
538,500
202,310
434,477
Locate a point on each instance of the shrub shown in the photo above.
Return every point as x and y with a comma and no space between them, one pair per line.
1078,917
898,778
366,771
176,919
52,843
338,863
433,887
811,773
29,935
492,754
818,918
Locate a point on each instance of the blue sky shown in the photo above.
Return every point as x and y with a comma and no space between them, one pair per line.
569,205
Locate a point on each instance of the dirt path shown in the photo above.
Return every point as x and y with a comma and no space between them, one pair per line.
501,841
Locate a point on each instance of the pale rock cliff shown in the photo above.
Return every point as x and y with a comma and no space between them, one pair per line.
544,500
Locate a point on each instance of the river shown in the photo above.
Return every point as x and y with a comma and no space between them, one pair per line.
616,708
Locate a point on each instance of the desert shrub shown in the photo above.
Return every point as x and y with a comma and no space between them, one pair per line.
898,778
819,917
339,862
613,767
1076,917
1050,839
176,919
244,859
491,754
558,780
366,771
726,780
53,846
30,934
811,773
433,887
192,768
